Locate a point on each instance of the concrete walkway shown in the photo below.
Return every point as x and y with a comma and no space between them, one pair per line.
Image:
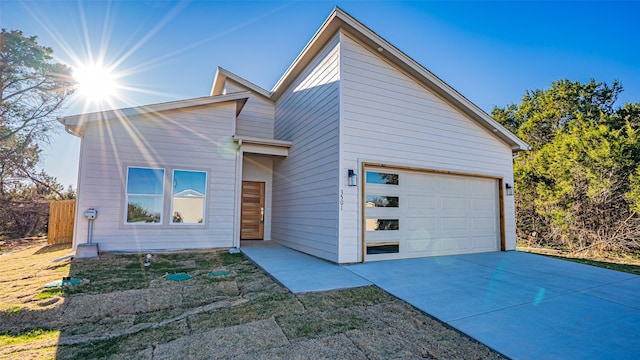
523,305
300,272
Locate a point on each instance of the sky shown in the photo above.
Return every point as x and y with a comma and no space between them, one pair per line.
489,51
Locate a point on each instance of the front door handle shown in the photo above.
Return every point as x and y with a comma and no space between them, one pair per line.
261,215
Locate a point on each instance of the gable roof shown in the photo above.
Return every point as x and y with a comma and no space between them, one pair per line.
223,74
75,124
340,20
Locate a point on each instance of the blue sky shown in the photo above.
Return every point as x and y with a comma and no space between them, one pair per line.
491,52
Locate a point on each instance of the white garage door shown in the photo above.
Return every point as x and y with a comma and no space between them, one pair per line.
417,214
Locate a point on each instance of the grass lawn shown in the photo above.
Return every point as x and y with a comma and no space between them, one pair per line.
127,310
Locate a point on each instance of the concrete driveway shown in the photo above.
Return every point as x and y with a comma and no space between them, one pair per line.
523,305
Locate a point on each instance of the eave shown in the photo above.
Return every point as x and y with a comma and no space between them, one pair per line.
75,124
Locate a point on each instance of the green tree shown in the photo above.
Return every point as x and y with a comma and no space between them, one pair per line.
33,88
576,188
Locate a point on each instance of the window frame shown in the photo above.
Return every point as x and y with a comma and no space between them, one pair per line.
167,198
127,194
204,199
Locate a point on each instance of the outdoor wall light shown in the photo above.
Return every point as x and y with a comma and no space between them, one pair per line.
508,189
353,177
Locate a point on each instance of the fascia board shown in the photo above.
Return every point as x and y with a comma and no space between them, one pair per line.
239,97
223,74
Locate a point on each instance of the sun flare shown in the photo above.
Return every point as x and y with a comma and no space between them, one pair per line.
96,83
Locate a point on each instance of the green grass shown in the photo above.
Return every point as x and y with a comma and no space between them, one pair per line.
127,272
49,293
28,337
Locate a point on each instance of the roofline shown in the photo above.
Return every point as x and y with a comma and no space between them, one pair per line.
340,20
222,74
74,123
262,141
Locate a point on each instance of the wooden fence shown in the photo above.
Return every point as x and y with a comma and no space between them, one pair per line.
61,216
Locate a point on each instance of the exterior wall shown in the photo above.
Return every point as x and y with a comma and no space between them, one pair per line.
305,185
387,117
260,168
198,138
256,118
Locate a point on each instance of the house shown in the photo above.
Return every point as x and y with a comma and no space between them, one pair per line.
357,154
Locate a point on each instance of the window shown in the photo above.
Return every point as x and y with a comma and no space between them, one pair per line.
383,248
146,203
144,195
381,178
188,197
381,201
382,224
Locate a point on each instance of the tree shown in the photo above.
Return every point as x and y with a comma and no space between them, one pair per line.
577,188
33,88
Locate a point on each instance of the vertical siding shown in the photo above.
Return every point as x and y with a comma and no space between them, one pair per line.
387,117
198,138
305,193
256,118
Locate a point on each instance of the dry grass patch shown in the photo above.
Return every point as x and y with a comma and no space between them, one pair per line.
24,274
130,311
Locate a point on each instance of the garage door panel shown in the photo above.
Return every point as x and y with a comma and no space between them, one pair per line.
438,214
483,204
454,203
438,246
483,243
453,185
416,183
482,186
421,202
453,224
483,223
421,223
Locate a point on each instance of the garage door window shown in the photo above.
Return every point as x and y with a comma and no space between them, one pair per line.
383,248
382,178
383,224
382,201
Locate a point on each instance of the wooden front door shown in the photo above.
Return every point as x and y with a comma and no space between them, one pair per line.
252,213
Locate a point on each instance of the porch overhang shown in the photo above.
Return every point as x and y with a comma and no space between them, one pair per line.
262,146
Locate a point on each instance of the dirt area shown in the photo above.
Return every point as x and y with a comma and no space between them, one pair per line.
14,245
619,261
228,309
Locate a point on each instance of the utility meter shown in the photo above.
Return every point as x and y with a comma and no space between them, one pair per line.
91,213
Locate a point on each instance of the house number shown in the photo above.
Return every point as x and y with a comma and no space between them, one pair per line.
341,199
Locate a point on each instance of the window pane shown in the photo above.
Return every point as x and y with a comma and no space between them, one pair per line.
382,178
144,181
383,248
144,209
382,224
381,201
189,180
188,211
189,189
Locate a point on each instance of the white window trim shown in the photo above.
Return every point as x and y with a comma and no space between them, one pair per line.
126,197
204,198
